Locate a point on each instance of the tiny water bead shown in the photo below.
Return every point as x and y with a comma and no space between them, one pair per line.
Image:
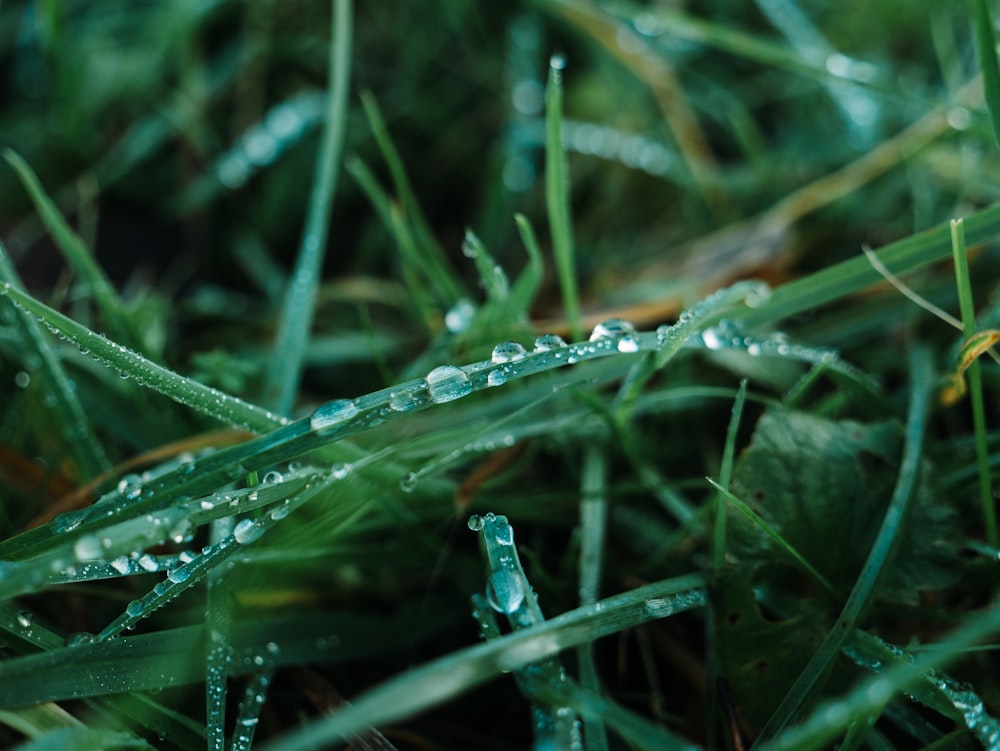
130,486
24,618
619,329
407,396
549,342
506,352
273,478
475,522
332,414
80,639
447,383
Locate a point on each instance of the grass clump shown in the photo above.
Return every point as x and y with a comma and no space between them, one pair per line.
301,391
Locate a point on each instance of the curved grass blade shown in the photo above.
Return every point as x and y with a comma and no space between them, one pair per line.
855,274
832,718
68,413
435,682
295,323
803,690
75,250
204,399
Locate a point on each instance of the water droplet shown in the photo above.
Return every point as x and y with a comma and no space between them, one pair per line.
280,511
507,352
246,531
179,575
340,471
24,618
22,379
332,413
459,318
496,377
557,61
148,563
130,486
273,477
505,591
475,522
620,329
447,383
409,482
711,339
504,534
87,548
547,342
135,609
121,565
80,638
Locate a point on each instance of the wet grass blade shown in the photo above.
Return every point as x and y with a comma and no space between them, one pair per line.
433,683
191,393
295,323
68,414
851,276
802,692
76,252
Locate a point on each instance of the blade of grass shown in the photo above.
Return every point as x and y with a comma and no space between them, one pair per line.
593,524
522,294
295,323
217,644
430,684
183,390
855,274
803,691
975,379
986,49
740,505
557,197
68,414
428,255
75,251
831,719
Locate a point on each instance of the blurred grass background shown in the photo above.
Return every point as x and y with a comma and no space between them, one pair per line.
707,142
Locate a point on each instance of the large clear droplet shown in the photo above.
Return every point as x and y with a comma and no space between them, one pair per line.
332,413
135,609
507,352
504,591
447,383
547,342
620,329
475,522
246,531
273,477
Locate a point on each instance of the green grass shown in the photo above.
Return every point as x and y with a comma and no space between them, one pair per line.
499,377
